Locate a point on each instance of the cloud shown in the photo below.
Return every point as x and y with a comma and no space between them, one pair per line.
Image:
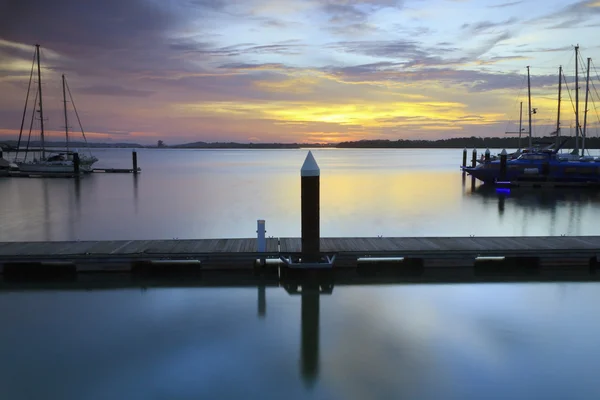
113,90
570,15
484,26
504,5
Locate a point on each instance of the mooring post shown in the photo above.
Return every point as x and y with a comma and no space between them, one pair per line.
76,163
474,160
487,155
1,152
503,158
261,236
310,185
134,160
464,163
261,239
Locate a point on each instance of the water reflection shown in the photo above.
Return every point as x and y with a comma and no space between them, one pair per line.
540,198
135,192
220,194
47,221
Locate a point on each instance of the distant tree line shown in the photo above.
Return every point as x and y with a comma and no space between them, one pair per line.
466,142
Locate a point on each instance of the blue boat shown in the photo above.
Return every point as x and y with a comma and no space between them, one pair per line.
543,166
539,165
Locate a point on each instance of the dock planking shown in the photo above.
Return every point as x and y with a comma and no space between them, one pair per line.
246,248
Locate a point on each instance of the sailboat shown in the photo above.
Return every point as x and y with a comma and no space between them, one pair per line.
49,161
546,165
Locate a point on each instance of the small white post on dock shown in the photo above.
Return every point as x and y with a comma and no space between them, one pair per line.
310,186
261,236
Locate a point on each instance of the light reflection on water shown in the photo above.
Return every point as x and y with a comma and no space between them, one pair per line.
423,341
221,193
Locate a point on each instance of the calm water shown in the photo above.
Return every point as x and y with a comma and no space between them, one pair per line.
221,193
484,341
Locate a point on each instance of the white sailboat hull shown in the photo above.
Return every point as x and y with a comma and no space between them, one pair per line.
55,166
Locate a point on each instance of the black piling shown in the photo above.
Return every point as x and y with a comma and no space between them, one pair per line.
487,155
464,162
503,159
310,185
76,163
1,155
474,159
134,161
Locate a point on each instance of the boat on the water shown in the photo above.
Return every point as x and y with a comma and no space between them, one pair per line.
43,159
543,163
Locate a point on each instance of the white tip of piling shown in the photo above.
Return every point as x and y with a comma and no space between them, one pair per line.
503,152
310,166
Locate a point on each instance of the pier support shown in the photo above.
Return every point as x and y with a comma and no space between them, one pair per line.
487,155
464,160
310,219
1,153
503,159
261,239
76,163
310,186
474,159
134,161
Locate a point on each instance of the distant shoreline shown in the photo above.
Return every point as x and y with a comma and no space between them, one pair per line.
453,143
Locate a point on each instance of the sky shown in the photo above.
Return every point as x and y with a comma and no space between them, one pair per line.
295,71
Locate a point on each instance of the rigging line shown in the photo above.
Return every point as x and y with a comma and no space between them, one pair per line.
516,101
569,92
77,115
595,91
31,126
25,108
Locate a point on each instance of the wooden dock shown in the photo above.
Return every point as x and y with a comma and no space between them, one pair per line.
235,262
349,252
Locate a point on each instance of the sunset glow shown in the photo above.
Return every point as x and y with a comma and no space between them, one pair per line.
295,70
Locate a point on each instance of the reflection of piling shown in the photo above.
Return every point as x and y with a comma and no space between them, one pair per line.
76,163
501,205
134,161
474,159
487,155
464,162
262,300
310,183
310,334
503,158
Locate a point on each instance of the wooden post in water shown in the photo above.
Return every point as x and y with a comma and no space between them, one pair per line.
503,158
487,155
464,163
76,163
134,160
310,185
1,152
474,160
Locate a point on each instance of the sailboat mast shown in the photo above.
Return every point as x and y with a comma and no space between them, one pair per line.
577,99
585,111
529,100
558,113
65,108
39,72
520,124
